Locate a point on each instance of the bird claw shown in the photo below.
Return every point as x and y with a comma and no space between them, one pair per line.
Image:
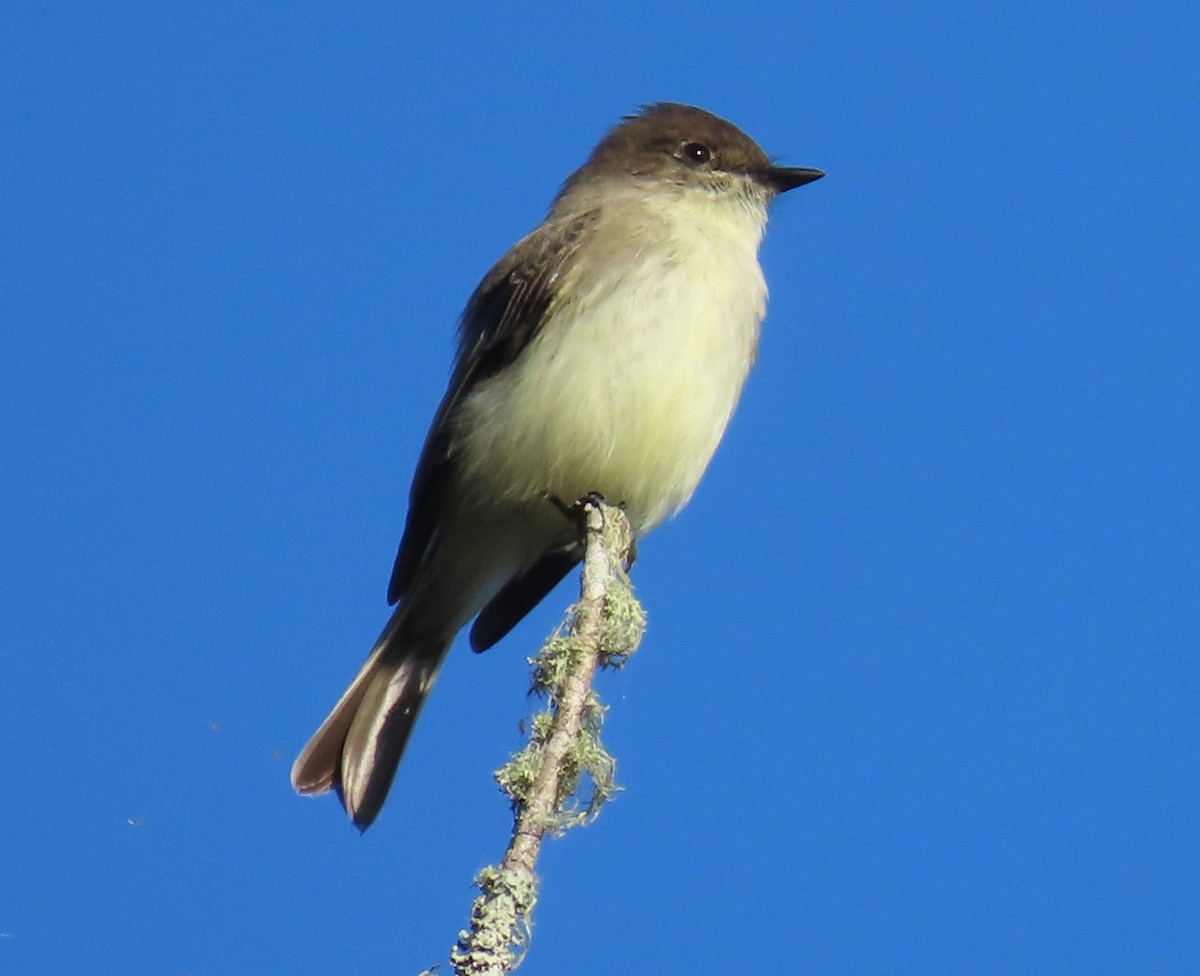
575,513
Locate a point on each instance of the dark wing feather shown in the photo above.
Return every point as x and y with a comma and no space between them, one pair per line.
521,594
502,318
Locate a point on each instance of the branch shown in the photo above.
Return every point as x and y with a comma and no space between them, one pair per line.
605,627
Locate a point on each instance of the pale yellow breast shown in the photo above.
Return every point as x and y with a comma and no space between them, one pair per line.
628,389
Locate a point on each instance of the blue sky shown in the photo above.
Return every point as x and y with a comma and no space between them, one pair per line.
920,691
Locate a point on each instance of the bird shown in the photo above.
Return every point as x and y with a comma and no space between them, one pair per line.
603,354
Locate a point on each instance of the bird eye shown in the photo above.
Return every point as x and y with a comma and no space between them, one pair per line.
695,152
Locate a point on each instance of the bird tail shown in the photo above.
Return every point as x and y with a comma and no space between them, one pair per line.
357,749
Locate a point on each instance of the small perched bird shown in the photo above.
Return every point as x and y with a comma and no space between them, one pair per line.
604,353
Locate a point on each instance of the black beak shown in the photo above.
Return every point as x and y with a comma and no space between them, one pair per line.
784,178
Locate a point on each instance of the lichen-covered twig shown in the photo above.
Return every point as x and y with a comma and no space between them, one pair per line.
543,780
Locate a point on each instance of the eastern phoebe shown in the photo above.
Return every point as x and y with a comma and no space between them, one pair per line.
604,353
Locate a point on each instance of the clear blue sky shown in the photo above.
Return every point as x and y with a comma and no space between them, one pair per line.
920,692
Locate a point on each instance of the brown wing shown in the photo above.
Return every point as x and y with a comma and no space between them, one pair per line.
521,594
502,318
